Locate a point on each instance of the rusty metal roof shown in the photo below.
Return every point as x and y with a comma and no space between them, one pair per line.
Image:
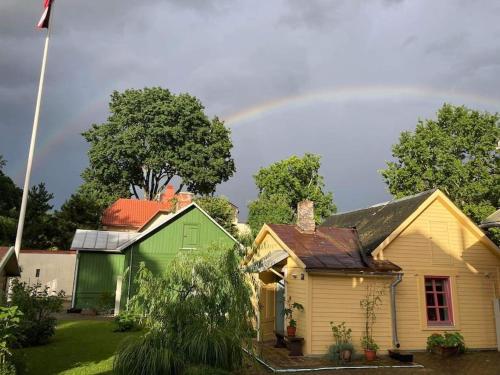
330,248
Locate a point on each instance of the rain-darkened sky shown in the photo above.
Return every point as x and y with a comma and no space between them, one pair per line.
340,79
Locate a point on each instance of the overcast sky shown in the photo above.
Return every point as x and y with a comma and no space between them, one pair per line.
338,78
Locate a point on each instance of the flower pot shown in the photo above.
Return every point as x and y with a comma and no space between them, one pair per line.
370,355
445,351
345,355
290,331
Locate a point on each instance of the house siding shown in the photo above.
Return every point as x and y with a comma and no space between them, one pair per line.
96,277
440,243
337,298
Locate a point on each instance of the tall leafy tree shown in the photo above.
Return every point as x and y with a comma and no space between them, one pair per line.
152,136
456,152
287,182
39,228
221,210
10,200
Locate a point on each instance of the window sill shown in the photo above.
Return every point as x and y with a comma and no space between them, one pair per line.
438,327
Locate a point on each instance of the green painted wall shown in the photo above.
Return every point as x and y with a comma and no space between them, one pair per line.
97,274
191,231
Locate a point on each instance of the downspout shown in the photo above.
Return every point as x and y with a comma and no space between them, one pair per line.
395,340
75,279
130,274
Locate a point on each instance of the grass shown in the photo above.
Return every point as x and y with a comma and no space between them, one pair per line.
79,347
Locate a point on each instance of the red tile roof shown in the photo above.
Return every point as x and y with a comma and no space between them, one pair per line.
132,213
11,266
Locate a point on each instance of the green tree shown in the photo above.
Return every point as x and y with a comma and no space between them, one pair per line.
273,209
152,136
456,153
78,212
291,180
221,210
39,228
10,200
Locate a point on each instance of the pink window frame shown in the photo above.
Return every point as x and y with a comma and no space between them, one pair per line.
447,298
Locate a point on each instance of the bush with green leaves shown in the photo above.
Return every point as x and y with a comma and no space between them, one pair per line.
10,317
37,323
199,313
7,368
446,340
126,321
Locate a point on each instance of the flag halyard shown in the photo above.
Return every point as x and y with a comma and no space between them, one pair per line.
44,20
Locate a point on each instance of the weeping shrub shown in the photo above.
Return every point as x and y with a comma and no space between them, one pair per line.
202,308
150,354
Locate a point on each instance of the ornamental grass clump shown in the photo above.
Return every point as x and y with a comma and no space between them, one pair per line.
199,313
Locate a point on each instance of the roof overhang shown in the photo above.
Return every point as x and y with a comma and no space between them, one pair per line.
267,261
9,264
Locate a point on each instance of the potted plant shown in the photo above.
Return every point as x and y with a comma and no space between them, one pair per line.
343,341
291,329
369,304
447,344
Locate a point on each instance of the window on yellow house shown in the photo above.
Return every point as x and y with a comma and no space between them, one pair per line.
438,300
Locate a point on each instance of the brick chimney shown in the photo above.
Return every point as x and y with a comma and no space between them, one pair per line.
168,194
184,199
305,216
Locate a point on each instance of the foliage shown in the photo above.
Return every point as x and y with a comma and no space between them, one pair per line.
126,321
273,209
447,340
152,136
10,317
221,210
7,368
37,305
105,302
9,207
369,304
199,313
341,333
455,153
204,370
39,224
288,311
79,211
283,185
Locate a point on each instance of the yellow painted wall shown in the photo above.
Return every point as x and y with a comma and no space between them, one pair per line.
336,298
438,243
297,290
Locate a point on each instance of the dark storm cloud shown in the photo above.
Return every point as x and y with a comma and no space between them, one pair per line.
235,55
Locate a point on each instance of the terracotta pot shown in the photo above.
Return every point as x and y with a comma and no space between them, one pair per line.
290,331
345,355
370,355
446,351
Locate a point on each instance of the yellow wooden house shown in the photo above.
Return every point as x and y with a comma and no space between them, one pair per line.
438,270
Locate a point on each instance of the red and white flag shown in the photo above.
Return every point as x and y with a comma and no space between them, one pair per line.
44,20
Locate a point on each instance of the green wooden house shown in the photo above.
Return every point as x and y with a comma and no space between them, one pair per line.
107,261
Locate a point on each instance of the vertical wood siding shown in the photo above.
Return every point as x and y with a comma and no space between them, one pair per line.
438,243
97,273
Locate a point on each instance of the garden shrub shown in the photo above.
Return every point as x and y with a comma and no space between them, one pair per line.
37,324
10,317
7,368
199,313
126,321
448,339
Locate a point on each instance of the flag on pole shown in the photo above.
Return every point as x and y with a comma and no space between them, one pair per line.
44,20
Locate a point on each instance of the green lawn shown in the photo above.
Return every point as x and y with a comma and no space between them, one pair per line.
79,347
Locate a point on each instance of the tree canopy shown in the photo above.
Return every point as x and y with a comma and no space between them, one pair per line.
456,152
152,136
221,210
283,185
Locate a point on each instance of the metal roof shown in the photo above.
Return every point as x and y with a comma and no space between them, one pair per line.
492,221
100,240
267,261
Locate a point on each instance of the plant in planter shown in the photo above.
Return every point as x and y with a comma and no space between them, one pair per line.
369,304
447,344
288,312
343,341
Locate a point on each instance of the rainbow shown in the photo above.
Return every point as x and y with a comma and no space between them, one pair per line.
340,94
357,93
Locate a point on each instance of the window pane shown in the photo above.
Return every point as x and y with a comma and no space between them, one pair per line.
429,298
443,314
441,299
431,315
440,285
428,285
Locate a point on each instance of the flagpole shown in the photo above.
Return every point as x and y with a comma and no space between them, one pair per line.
24,201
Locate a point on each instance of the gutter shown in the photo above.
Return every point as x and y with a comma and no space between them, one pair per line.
395,340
